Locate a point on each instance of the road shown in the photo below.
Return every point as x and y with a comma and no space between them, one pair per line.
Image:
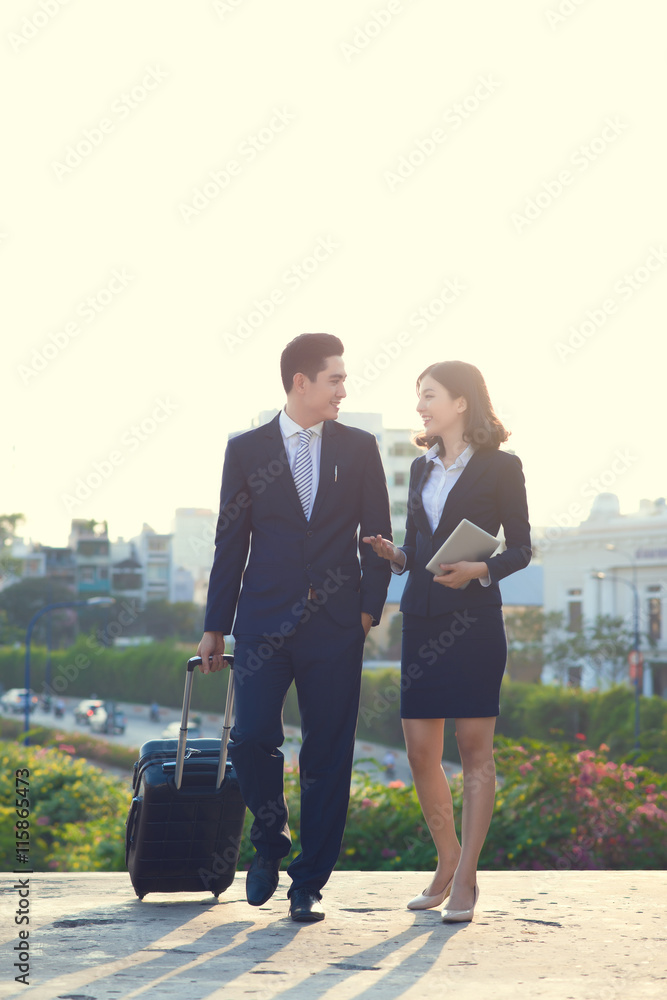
140,729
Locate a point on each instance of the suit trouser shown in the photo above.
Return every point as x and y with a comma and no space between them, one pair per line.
324,660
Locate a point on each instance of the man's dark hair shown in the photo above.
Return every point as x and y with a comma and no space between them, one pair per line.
308,354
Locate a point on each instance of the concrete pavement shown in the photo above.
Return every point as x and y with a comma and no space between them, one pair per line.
536,935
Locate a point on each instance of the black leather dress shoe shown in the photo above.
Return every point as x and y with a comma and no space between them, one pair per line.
262,879
305,906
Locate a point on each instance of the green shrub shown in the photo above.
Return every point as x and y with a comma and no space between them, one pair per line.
77,812
558,809
555,808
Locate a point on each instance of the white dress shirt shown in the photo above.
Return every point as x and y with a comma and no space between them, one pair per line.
437,488
290,434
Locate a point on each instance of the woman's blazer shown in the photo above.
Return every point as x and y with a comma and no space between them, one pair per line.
490,491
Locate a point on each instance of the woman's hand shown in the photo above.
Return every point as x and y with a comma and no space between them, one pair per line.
456,574
384,548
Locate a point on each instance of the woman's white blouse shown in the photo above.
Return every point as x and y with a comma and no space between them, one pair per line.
436,490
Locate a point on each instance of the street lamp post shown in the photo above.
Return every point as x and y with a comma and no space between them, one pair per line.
612,547
31,624
635,642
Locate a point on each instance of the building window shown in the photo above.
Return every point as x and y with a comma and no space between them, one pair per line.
655,617
399,508
87,574
574,616
158,544
157,573
89,547
403,449
659,672
399,479
103,573
127,581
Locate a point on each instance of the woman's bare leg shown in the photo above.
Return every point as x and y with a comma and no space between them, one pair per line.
475,740
424,742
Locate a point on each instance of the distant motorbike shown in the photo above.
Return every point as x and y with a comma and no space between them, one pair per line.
59,709
154,713
45,703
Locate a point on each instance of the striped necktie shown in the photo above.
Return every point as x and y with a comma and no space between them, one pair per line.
303,470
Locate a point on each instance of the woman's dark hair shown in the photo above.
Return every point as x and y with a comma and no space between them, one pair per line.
482,427
308,354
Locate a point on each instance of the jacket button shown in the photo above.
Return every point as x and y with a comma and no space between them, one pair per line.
309,533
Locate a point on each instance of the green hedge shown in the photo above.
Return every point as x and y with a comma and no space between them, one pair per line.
528,711
138,673
556,714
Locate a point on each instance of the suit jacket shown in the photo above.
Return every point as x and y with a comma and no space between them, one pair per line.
489,492
260,511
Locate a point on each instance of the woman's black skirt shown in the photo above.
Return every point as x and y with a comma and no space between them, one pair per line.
452,665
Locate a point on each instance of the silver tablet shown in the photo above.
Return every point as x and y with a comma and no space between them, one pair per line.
466,542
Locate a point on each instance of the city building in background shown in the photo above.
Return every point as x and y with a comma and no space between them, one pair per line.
610,564
89,541
630,551
193,541
154,555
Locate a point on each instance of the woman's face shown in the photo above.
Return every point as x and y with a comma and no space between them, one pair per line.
439,411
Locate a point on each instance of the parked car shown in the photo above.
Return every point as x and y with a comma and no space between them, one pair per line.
108,718
14,700
172,731
86,708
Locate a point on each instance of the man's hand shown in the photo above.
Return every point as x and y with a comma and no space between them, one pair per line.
212,644
456,574
366,621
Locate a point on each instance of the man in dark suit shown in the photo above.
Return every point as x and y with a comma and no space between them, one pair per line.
295,493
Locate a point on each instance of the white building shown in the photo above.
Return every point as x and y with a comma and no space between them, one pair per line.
154,555
631,551
193,542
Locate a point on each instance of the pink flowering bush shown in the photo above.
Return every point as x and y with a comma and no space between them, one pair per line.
559,809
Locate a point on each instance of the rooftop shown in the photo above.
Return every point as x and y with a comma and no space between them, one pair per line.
545,935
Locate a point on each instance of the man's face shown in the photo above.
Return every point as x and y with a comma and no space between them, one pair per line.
322,397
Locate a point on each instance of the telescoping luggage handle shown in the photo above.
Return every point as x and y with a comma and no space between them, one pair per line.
195,661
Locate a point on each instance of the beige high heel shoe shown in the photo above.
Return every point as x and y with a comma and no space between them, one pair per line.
424,902
460,916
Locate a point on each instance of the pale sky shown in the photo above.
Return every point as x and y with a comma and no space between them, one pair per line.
498,166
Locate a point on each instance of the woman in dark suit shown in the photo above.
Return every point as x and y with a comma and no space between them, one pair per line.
454,643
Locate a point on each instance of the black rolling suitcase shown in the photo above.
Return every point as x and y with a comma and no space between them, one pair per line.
185,824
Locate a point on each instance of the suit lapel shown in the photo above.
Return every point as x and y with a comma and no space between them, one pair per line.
453,509
415,503
328,460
